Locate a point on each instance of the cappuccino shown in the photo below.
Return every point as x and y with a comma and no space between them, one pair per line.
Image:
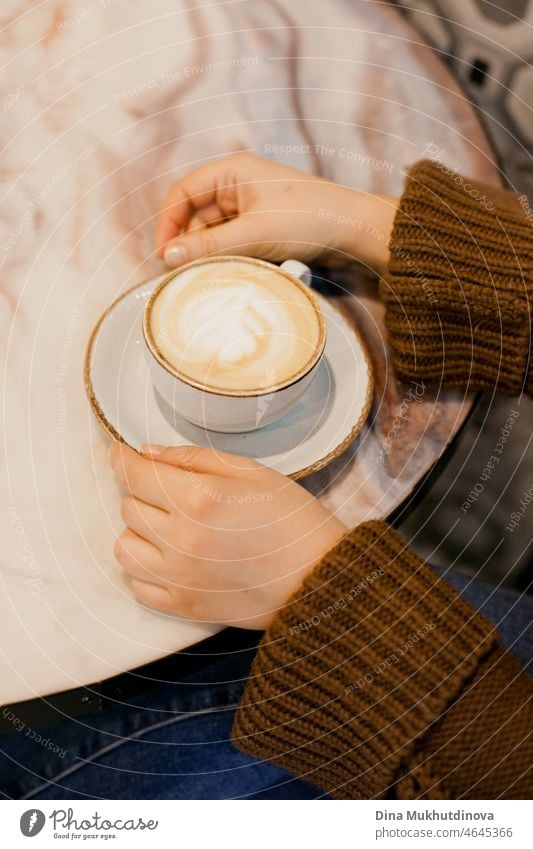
236,326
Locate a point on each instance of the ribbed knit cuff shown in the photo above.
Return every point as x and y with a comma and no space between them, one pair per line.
482,748
459,286
358,665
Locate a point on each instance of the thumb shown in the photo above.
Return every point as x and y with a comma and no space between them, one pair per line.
199,459
232,237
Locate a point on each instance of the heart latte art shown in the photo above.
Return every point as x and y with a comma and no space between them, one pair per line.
236,326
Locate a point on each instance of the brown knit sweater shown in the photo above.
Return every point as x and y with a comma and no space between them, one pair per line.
377,679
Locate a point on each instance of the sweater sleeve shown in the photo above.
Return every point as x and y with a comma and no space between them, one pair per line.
459,285
376,681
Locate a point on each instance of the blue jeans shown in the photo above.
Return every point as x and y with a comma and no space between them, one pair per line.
173,742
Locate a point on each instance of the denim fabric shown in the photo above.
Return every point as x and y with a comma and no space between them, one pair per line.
173,742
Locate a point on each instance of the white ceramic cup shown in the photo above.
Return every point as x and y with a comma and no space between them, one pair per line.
221,410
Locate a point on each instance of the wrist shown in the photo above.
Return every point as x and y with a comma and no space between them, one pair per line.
367,227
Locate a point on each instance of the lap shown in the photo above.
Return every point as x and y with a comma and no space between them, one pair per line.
173,742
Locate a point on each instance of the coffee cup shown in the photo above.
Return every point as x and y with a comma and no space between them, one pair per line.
233,342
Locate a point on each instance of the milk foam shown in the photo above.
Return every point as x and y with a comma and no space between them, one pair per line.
234,325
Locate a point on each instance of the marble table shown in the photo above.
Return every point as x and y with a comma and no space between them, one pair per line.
104,105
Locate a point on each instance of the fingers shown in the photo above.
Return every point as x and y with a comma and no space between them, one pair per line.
183,602
195,191
139,557
147,521
236,236
203,460
197,605
152,595
206,217
148,481
187,604
210,185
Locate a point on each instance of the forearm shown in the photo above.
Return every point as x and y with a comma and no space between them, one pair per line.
358,668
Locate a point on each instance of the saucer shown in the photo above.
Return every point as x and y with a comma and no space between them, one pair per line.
316,430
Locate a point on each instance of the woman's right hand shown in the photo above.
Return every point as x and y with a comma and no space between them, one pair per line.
254,207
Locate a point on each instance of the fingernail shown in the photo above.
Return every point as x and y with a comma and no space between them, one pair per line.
152,450
175,255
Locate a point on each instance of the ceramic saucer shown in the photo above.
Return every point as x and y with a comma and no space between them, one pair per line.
320,426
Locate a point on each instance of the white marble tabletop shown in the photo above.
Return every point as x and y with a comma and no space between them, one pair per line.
103,106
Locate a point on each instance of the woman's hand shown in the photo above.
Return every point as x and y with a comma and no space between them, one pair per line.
253,207
215,537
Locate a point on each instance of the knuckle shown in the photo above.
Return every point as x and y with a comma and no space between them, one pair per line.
132,477
121,549
185,455
197,504
129,509
139,590
191,605
209,242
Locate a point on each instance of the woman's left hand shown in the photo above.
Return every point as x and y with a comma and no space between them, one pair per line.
215,537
